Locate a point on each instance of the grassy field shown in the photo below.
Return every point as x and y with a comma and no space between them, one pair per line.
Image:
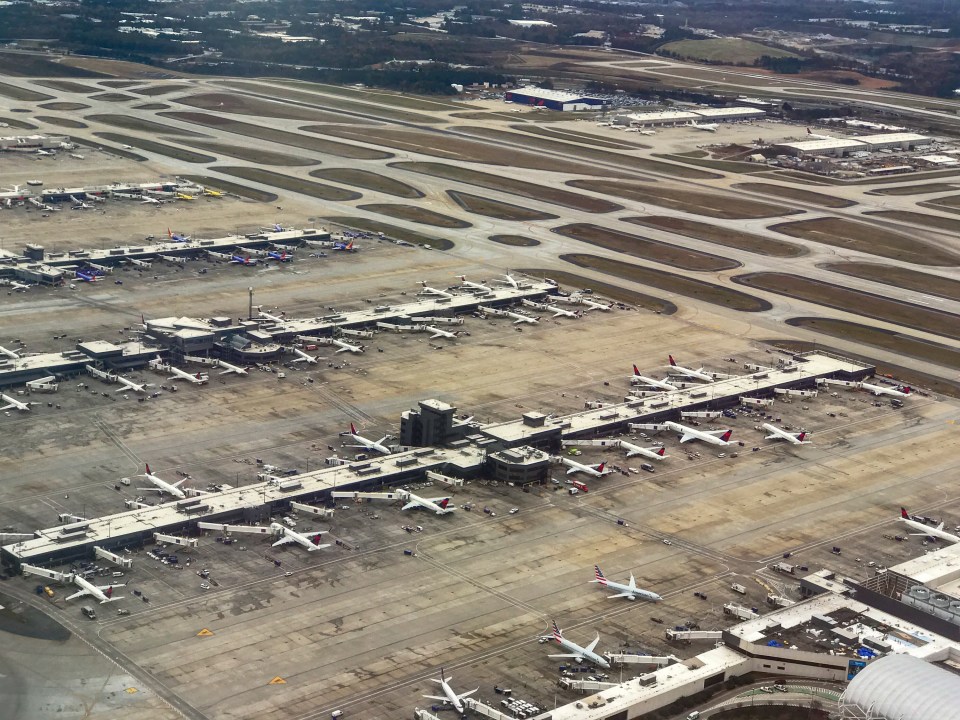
569,280
645,248
18,124
496,209
140,125
719,205
727,166
720,235
886,339
670,282
857,302
449,147
914,189
852,235
67,86
61,122
391,231
899,277
951,225
373,110
16,93
252,154
154,90
514,240
790,193
417,215
240,104
723,50
20,64
297,140
288,182
152,106
521,188
63,106
577,137
411,102
368,181
628,162
172,151
232,188
119,83
113,97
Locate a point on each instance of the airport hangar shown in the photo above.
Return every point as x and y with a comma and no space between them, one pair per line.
554,99
511,451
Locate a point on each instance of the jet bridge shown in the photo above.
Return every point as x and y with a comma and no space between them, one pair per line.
117,560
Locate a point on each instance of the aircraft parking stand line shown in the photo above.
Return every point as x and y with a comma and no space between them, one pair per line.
69,542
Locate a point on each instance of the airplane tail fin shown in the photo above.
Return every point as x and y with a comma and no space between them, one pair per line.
557,632
599,575
601,466
443,503
726,436
907,390
636,370
353,430
904,514
150,473
662,451
801,436
673,362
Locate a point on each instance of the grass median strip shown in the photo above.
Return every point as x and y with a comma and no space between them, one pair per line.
946,224
417,215
368,181
671,282
718,205
212,183
391,231
569,280
172,151
899,277
720,235
851,235
290,183
645,248
797,194
496,209
240,104
253,154
129,122
857,302
282,137
553,196
514,240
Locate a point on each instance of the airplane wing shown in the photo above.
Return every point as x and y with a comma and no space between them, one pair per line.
687,437
412,504
285,540
620,595
467,694
79,593
591,646
572,470
577,656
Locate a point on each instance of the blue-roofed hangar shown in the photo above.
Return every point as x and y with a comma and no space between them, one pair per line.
554,99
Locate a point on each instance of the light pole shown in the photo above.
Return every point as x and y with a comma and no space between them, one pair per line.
250,306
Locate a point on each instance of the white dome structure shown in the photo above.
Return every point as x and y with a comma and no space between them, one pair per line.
902,687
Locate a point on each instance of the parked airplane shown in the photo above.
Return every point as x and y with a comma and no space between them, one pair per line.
177,237
347,347
212,193
440,333
302,356
366,443
281,256
937,532
778,434
509,280
287,535
814,136
577,652
86,276
240,260
103,593
516,317
546,307
706,127
184,196
16,285
638,379
575,467
439,505
714,437
900,391
449,696
629,591
427,290
13,355
657,452
162,486
474,286
228,368
130,385
699,374
196,379
344,246
147,200
13,403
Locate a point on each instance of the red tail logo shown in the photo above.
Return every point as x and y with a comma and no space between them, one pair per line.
353,430
801,436
148,469
636,371
661,451
109,592
726,436
443,503
315,539
672,361
904,514
600,467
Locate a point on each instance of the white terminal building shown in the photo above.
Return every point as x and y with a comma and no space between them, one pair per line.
841,146
668,118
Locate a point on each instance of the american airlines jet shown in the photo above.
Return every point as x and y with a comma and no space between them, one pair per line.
449,696
629,591
933,532
699,374
577,652
778,434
